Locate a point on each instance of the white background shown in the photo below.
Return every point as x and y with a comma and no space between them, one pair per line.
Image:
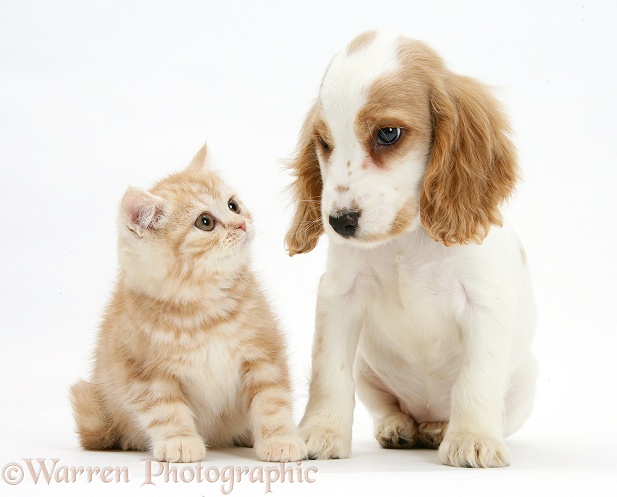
95,96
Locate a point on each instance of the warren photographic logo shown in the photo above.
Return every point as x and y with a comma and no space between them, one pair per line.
53,472
48,471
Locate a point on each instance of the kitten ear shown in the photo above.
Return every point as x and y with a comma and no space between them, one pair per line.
198,163
143,211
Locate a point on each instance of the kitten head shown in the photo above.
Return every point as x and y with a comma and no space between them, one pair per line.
188,231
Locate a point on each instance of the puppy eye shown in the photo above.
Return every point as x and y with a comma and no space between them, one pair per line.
324,144
205,222
233,206
388,136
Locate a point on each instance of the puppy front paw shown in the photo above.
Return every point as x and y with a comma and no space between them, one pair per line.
324,442
180,449
466,450
284,448
397,431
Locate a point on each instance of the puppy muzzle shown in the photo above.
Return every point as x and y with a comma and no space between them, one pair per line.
345,223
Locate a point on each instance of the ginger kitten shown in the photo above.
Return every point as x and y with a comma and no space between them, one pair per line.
189,354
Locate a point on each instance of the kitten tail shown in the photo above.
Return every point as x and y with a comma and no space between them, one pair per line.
94,429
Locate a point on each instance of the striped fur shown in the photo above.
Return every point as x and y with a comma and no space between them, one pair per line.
189,354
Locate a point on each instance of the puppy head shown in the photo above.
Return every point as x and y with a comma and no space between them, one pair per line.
395,141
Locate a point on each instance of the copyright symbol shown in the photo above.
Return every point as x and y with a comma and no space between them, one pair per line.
12,473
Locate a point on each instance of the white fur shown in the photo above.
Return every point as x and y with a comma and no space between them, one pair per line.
436,333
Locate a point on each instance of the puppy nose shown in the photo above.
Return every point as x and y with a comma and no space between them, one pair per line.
345,223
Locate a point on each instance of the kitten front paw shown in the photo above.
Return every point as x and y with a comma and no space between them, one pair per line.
281,449
397,431
466,450
180,449
324,442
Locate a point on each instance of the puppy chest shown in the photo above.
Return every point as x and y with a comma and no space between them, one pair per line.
417,362
411,340
413,306
419,336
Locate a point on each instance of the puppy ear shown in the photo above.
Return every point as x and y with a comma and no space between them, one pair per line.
141,211
473,166
306,226
198,163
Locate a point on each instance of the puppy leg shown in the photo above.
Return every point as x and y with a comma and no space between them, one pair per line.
475,435
520,395
393,428
327,422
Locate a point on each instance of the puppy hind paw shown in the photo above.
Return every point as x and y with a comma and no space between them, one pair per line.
431,433
397,431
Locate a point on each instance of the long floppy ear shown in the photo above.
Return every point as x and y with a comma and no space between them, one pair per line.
473,166
306,226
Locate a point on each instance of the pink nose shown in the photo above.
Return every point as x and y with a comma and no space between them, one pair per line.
242,226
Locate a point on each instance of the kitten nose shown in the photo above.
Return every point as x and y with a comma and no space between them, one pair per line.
242,226
346,223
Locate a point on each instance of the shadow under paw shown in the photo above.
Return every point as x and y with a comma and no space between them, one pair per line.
396,442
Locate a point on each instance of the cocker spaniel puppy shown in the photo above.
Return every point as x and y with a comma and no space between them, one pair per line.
426,308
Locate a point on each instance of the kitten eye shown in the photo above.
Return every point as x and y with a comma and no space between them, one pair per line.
324,144
388,136
233,206
205,222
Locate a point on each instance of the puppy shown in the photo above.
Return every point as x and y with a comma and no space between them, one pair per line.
426,308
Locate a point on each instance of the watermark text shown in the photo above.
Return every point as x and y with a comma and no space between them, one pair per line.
52,471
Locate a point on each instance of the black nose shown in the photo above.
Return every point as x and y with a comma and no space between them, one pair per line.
345,223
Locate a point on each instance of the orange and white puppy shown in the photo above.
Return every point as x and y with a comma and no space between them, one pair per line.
426,306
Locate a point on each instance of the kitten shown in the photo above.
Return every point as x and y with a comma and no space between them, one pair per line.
189,353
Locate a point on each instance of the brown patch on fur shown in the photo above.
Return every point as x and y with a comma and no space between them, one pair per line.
306,226
472,167
398,100
403,218
360,42
400,225
395,100
341,189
